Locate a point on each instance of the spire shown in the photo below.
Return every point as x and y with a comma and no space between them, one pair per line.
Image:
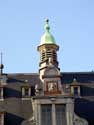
1,65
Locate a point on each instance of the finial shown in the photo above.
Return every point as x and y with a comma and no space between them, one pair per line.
1,65
74,80
47,20
47,27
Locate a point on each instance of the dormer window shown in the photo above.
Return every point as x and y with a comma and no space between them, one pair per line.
75,88
26,91
3,79
1,93
76,91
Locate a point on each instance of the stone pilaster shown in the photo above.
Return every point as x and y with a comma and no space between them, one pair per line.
53,115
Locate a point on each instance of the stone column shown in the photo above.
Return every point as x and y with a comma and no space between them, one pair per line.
29,93
70,113
72,90
23,91
53,115
2,119
79,90
39,114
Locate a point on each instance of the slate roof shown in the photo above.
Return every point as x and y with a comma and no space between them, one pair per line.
32,78
81,77
66,77
84,105
86,80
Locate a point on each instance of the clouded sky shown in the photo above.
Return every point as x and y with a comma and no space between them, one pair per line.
22,25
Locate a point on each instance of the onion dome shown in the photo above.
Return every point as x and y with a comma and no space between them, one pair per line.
47,37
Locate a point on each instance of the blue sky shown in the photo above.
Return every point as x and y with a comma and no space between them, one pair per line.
22,25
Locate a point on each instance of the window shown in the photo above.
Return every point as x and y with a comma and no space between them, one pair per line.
46,114
75,90
26,91
43,56
53,113
1,93
3,79
60,115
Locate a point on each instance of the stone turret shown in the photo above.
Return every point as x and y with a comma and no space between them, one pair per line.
48,67
48,49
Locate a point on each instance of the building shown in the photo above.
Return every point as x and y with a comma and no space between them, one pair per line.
49,97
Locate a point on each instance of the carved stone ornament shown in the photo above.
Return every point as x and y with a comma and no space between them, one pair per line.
52,86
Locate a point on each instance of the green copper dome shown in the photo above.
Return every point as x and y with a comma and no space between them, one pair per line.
47,37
